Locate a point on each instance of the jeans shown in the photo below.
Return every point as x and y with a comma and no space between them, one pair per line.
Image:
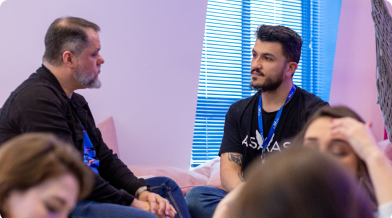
162,186
203,200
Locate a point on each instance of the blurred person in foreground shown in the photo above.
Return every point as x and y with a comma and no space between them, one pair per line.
41,177
300,182
343,135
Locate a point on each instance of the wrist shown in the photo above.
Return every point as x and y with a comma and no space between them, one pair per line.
142,193
374,154
143,196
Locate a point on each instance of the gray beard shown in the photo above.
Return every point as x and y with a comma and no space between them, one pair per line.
87,81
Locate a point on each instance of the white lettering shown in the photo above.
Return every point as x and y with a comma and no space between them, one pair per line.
245,141
275,147
286,144
252,142
260,139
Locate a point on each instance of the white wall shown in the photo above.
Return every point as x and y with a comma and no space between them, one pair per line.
354,75
152,50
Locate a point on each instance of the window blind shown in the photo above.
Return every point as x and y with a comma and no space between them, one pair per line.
225,65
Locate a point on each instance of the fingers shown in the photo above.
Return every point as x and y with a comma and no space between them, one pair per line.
153,204
347,126
162,205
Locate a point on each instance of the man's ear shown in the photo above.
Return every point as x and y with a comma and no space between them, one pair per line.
291,68
69,59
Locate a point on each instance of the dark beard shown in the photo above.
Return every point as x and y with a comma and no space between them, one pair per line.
270,85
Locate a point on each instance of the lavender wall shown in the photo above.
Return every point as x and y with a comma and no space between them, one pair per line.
152,50
354,74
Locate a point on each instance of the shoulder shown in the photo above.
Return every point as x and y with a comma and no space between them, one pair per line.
310,100
35,88
240,105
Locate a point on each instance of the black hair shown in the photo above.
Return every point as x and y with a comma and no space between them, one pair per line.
290,40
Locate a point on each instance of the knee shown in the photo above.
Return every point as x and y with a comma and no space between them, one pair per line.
194,195
167,181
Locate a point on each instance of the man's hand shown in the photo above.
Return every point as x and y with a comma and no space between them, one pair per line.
155,204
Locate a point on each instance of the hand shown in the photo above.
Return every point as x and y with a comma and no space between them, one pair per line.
157,205
358,135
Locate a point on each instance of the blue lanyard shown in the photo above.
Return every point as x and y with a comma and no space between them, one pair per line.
276,120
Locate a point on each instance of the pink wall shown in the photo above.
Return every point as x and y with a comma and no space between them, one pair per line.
152,50
354,74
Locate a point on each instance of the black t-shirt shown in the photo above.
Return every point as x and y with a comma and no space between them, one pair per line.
241,131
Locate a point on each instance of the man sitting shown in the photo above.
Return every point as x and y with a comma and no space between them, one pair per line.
46,102
263,123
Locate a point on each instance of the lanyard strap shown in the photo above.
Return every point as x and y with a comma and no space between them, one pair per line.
276,120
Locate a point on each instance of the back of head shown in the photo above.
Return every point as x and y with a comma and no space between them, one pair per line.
301,182
66,34
30,159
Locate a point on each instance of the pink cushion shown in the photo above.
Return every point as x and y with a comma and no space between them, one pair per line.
214,180
184,178
109,134
205,168
210,169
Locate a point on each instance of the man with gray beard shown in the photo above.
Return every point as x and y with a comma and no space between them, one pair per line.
46,102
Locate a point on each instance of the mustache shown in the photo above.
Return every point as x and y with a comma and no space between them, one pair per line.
257,70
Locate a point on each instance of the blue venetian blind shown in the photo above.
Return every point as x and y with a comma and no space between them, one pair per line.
228,42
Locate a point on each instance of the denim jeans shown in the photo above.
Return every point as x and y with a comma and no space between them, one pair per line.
203,200
162,186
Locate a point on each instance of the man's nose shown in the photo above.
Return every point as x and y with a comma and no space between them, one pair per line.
101,60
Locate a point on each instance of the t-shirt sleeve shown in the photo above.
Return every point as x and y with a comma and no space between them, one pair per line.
314,105
231,141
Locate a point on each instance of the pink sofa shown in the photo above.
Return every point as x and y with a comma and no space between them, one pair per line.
206,174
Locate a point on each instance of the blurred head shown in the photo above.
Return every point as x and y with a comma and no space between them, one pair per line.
275,57
301,182
75,41
41,176
317,134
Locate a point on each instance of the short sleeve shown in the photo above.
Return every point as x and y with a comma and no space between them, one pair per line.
231,141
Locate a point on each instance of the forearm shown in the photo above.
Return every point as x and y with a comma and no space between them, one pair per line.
231,170
230,179
380,172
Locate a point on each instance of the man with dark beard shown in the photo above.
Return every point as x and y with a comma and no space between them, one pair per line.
46,102
263,123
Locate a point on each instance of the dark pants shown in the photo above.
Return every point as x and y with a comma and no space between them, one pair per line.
162,186
203,200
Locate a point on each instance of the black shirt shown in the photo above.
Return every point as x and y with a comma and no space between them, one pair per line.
39,104
241,131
